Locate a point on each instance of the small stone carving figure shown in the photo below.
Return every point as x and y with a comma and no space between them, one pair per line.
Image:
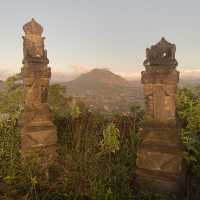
149,105
29,91
44,94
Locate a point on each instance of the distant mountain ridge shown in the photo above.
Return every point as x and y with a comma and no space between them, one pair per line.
104,76
98,79
101,88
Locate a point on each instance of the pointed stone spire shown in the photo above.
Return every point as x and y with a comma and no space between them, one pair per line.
33,27
33,46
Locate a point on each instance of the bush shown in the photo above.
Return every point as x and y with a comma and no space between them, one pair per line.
96,152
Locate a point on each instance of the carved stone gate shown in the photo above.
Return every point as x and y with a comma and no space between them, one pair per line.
159,158
38,134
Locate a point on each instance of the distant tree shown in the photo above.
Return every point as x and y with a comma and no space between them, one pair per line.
11,98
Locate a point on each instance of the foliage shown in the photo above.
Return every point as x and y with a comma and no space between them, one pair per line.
11,100
98,156
110,142
61,105
96,152
188,110
116,161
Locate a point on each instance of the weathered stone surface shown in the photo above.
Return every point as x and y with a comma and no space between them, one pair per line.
33,46
159,158
160,151
163,53
160,84
36,139
38,133
161,182
160,161
164,136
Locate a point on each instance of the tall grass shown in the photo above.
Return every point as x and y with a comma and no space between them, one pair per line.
96,153
86,169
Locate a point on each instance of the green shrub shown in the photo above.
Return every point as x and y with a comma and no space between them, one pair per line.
188,111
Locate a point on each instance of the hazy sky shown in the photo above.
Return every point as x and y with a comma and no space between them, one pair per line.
101,33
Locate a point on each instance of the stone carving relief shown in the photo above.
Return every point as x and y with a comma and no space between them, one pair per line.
160,102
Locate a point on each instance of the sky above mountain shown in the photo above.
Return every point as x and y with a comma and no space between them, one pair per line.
85,34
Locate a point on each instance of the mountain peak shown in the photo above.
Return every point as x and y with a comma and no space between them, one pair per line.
104,76
101,88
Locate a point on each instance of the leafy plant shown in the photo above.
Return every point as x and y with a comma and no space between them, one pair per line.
188,110
111,139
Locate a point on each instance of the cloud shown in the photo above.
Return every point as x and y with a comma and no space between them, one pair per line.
60,77
4,73
71,72
184,73
130,76
79,69
190,73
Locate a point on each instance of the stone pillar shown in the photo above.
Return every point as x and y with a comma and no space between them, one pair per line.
38,134
159,157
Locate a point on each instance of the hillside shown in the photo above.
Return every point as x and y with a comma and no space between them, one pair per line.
102,89
1,85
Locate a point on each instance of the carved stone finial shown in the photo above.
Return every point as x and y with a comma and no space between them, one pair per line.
161,54
33,27
33,46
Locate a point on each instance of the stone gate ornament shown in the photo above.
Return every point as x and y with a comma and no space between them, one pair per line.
159,157
38,132
162,53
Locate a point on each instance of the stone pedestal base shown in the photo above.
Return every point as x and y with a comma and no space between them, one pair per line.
40,140
159,161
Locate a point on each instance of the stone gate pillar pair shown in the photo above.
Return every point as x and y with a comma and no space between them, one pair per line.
159,160
38,134
159,157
